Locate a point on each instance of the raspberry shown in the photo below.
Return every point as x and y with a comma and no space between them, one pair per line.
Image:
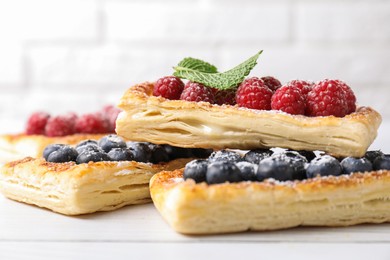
169,87
197,92
227,97
272,83
59,126
91,124
327,98
109,126
71,116
303,85
289,99
110,109
36,123
110,114
349,96
252,93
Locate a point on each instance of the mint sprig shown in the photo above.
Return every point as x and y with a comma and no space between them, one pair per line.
202,72
197,65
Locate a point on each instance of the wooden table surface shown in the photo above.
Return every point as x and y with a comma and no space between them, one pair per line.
139,232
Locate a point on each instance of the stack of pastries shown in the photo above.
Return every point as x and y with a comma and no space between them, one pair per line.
222,153
77,165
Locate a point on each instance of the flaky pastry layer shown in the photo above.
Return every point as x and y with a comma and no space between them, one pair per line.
200,124
18,146
192,208
74,189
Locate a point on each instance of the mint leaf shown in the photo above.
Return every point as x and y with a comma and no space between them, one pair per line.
198,65
225,80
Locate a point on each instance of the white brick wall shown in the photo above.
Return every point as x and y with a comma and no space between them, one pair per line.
49,20
105,67
62,55
352,22
11,65
191,21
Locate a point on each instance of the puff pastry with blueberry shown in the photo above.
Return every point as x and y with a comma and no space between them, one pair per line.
93,176
269,191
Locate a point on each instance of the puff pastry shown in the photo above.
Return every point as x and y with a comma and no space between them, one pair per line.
73,189
192,208
18,146
200,124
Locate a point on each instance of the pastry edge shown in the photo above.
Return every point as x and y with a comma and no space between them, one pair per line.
72,189
191,208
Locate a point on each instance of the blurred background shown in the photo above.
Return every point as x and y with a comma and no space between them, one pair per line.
78,55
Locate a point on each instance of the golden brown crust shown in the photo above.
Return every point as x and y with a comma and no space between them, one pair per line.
200,124
74,189
68,139
234,207
17,146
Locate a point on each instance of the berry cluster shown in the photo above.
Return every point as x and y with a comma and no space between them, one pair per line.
297,97
258,165
173,88
114,148
40,123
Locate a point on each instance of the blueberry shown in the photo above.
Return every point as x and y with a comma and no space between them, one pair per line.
90,145
247,170
92,156
351,164
382,162
276,167
111,141
201,153
177,152
151,145
63,154
121,154
309,155
323,166
225,155
87,143
51,148
196,170
297,162
159,154
372,155
255,156
141,151
293,155
222,171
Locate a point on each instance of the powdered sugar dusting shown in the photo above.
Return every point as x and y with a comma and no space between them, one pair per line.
115,138
177,180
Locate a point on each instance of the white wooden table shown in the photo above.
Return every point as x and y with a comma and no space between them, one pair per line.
138,232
